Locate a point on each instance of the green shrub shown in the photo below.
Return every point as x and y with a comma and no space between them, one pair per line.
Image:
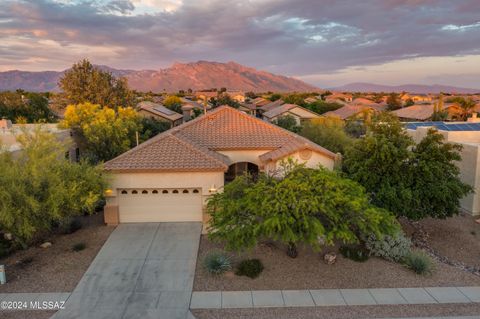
217,263
251,268
392,248
79,246
419,262
355,253
73,226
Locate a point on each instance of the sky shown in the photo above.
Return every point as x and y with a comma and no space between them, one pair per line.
323,42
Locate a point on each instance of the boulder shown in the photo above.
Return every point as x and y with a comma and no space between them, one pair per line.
330,258
46,244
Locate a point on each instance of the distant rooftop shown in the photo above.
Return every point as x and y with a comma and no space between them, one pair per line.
445,126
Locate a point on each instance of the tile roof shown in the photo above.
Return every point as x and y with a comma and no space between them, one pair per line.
192,145
285,108
271,105
349,110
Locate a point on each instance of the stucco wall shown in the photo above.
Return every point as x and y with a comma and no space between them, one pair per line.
251,156
202,180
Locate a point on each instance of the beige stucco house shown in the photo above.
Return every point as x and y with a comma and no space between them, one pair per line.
466,134
300,114
169,177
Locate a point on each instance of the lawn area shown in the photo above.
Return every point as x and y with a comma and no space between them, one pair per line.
57,268
452,237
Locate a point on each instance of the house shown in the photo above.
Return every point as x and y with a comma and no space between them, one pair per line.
260,101
206,95
238,96
467,135
299,113
339,97
416,98
159,112
424,112
192,108
9,133
271,105
169,177
353,111
363,101
310,100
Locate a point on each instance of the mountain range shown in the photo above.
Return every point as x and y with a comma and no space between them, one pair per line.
180,76
411,88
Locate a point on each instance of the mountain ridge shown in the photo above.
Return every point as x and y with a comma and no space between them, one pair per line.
411,88
180,76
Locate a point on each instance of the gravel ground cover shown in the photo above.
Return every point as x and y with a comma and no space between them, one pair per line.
56,268
308,271
457,238
342,312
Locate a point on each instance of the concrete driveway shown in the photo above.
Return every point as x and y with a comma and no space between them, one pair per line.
143,271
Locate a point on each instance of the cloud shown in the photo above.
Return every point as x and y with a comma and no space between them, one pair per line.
301,37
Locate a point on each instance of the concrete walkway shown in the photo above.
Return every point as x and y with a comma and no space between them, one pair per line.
143,271
333,297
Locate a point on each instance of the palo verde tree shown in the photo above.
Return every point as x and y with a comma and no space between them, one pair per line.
39,187
105,132
403,177
328,132
306,206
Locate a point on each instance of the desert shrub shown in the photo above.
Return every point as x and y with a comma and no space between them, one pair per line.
217,263
419,262
73,226
251,268
392,248
355,253
79,247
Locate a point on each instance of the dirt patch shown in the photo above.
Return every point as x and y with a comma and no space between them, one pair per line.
57,268
308,271
457,238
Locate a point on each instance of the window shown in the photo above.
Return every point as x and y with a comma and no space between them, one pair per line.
134,192
185,191
195,191
124,192
154,191
175,191
164,191
144,192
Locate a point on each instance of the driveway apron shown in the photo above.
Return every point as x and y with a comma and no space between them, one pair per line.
144,270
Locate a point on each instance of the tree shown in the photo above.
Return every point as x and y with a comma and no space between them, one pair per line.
152,127
106,133
26,106
274,97
321,107
225,99
40,187
438,113
174,103
392,168
393,102
437,188
87,83
307,206
409,102
327,132
288,122
251,95
467,106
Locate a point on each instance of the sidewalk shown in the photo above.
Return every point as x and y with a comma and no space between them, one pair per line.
333,297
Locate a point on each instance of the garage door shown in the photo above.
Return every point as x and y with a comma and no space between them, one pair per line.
159,205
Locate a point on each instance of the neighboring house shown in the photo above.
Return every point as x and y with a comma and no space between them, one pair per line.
310,100
467,135
416,98
170,177
206,95
159,112
270,106
9,133
299,113
189,108
336,97
238,96
260,101
363,101
353,111
424,112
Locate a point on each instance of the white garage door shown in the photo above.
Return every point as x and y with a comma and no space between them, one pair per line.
159,205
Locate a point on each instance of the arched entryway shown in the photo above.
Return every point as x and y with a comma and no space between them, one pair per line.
240,168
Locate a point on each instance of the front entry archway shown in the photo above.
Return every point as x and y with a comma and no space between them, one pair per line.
241,168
